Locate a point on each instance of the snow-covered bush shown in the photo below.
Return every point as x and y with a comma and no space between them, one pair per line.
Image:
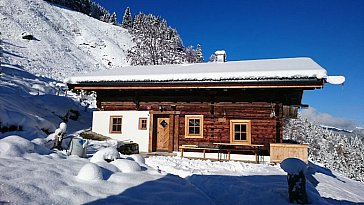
109,153
137,158
15,146
90,172
126,166
108,166
293,165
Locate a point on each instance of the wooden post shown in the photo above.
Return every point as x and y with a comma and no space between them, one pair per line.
176,132
150,147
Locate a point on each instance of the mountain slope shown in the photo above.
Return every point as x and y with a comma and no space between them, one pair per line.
32,103
33,106
65,42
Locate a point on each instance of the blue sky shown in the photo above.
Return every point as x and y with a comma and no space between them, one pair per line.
329,31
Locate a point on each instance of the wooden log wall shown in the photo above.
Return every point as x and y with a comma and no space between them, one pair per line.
265,129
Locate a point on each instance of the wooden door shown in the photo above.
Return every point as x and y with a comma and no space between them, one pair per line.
162,134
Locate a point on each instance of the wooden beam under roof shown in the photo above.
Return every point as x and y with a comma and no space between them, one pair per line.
193,86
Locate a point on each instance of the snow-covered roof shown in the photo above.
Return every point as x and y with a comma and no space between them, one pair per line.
239,71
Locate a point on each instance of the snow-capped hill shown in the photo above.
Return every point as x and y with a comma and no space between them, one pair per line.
64,42
336,129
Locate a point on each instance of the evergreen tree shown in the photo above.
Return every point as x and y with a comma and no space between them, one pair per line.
87,7
199,56
190,54
113,19
127,20
212,58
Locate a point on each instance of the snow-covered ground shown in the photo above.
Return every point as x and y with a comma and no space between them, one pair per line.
66,42
32,104
33,174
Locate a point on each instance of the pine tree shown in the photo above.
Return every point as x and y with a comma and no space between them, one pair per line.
212,58
87,7
113,19
190,54
199,55
127,20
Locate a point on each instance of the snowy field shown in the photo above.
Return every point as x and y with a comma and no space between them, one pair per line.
33,174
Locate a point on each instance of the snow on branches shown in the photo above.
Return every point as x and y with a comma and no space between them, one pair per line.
156,43
343,152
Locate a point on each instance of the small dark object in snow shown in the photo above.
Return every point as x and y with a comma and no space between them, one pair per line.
129,148
28,37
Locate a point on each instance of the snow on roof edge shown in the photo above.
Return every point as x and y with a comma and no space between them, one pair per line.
283,68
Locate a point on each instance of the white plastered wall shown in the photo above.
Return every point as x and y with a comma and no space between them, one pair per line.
130,126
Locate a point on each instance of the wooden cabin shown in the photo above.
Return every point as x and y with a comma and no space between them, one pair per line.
163,107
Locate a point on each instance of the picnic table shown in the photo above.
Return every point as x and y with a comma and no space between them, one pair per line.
228,147
222,148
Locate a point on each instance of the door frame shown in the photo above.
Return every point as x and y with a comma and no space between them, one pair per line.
173,129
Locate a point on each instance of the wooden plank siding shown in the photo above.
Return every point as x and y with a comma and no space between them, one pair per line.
281,151
217,116
218,107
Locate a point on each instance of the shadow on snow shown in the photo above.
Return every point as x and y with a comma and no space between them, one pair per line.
214,189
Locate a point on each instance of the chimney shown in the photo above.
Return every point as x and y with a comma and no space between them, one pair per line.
220,56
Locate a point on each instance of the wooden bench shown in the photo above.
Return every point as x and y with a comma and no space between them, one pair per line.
222,148
228,147
195,147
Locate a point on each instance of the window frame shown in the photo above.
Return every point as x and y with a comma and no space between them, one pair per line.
140,126
187,127
248,131
111,131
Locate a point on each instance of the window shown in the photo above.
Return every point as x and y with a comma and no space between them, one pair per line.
240,131
143,123
115,124
194,126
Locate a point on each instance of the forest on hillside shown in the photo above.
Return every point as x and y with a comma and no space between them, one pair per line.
343,152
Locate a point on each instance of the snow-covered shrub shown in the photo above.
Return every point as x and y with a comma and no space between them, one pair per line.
109,153
108,166
137,158
126,166
15,146
57,137
293,165
90,172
